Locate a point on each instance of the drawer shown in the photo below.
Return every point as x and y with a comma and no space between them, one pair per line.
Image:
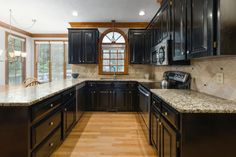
68,94
91,84
156,104
47,148
41,130
104,84
171,115
41,109
120,85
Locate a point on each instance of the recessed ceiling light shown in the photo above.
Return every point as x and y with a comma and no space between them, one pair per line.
75,13
142,13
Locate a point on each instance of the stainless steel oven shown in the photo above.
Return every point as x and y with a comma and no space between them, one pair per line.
144,110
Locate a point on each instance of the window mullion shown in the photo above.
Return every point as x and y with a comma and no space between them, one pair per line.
50,63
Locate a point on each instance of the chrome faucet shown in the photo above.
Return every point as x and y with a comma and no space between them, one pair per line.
114,68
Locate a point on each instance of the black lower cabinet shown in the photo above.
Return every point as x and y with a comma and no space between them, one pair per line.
104,102
169,144
69,116
47,147
111,96
80,100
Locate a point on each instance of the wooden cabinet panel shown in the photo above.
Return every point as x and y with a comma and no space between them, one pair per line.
41,109
69,116
200,28
83,46
140,46
47,148
169,141
43,129
75,44
90,41
179,51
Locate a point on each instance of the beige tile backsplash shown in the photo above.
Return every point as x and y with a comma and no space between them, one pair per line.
203,72
91,71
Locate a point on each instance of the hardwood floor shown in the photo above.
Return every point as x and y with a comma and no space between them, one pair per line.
106,135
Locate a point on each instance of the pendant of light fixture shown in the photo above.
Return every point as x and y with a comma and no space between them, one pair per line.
14,55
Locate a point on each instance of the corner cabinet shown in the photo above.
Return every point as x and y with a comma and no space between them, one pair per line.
83,46
139,46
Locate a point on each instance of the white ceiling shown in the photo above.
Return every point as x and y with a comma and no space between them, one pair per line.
53,15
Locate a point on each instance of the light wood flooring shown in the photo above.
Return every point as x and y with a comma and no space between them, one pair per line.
106,135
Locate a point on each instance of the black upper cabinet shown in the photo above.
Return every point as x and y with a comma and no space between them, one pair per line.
200,28
83,46
139,44
179,51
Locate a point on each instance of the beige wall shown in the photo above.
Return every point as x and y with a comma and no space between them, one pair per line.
204,72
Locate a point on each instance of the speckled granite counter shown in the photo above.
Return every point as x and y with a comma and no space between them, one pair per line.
188,101
31,95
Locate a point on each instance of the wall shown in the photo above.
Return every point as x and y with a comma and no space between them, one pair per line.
29,51
204,72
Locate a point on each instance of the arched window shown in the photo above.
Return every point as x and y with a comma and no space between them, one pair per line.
113,56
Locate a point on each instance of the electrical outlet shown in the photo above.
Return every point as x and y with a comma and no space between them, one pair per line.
220,78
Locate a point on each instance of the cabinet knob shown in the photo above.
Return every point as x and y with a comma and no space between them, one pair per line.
160,123
70,94
187,52
51,144
130,92
182,53
153,102
51,123
65,109
51,105
166,114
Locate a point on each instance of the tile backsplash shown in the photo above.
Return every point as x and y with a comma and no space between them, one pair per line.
204,72
91,71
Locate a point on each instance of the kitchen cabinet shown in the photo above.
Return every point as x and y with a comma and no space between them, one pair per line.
80,100
139,44
69,116
179,46
200,28
111,96
164,129
83,46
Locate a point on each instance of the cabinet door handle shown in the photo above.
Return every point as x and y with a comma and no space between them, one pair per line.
51,144
166,114
51,123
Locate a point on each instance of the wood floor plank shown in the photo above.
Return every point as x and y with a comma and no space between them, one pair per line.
106,135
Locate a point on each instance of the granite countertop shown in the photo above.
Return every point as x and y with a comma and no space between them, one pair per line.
188,101
27,96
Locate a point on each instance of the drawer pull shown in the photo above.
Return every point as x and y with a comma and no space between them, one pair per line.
51,144
51,123
166,114
51,105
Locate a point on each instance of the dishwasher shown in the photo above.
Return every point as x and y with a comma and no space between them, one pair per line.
144,110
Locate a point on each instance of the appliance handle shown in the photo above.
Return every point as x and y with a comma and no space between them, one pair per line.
141,91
